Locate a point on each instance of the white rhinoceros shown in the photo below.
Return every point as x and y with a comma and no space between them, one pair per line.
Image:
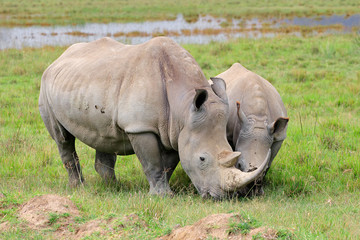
150,99
257,123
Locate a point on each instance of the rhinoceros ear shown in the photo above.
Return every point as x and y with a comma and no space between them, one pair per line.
219,87
201,96
278,126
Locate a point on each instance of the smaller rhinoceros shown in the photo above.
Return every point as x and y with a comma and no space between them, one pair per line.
257,123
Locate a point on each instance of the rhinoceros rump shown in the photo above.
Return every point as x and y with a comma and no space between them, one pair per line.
150,99
257,122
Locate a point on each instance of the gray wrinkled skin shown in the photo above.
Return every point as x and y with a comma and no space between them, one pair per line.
257,123
150,99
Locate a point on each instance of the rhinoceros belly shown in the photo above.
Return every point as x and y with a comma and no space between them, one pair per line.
104,136
106,140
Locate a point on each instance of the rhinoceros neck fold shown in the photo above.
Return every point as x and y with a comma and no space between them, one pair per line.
180,76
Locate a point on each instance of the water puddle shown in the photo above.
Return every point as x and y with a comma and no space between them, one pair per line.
203,31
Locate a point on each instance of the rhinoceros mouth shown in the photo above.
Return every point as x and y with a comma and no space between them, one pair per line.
205,195
212,192
251,168
212,195
233,181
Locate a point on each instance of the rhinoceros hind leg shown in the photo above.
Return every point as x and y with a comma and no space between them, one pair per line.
70,159
104,166
147,148
65,142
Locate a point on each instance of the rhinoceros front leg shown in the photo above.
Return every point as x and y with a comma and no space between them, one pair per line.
104,166
147,148
170,160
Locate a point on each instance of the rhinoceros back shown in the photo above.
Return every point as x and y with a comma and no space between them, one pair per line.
255,93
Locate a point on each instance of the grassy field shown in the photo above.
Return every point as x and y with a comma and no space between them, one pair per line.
312,189
51,12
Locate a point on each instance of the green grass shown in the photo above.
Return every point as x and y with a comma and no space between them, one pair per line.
51,12
242,224
312,188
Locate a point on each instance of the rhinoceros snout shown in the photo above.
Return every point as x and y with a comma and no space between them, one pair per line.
247,163
245,167
241,164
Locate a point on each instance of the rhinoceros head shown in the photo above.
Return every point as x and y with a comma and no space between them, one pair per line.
256,136
205,153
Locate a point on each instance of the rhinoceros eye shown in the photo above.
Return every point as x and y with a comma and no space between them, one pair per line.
203,163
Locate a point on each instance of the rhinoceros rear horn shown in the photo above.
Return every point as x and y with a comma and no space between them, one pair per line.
219,87
201,96
241,115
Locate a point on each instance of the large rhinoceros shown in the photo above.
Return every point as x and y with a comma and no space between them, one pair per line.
150,99
257,123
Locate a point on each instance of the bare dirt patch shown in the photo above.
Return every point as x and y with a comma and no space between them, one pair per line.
219,226
93,226
114,226
5,226
58,213
43,211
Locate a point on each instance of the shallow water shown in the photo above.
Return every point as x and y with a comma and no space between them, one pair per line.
203,31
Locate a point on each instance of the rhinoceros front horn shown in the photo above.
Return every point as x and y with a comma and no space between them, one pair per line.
233,179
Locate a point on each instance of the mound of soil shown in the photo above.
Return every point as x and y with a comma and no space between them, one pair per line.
57,212
217,226
44,212
90,227
41,211
5,226
105,226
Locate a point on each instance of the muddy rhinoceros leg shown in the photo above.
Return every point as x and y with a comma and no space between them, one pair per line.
148,150
104,166
65,142
70,158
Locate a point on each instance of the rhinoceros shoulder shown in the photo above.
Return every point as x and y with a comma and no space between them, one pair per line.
233,73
